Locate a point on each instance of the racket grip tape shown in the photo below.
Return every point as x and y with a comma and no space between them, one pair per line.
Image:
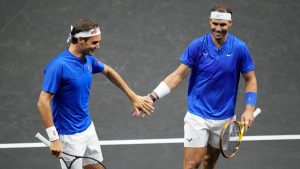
257,112
43,139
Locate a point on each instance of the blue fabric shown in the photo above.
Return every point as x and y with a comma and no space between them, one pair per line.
250,98
69,79
215,74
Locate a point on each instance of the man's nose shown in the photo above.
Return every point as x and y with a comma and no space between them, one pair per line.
218,28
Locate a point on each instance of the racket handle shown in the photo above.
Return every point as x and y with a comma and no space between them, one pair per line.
257,112
43,139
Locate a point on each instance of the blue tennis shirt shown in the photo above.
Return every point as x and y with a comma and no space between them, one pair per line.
214,79
69,79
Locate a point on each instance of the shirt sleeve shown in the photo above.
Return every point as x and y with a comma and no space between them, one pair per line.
52,77
97,65
189,56
246,60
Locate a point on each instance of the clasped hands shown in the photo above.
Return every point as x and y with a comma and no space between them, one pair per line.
142,106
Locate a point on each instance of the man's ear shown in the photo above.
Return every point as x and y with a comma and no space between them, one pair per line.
231,22
209,20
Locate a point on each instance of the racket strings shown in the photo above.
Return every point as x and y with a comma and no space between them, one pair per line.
231,139
77,162
89,163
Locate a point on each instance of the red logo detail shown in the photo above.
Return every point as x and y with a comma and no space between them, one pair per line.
93,31
54,133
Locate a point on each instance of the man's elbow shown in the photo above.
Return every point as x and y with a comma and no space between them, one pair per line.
40,104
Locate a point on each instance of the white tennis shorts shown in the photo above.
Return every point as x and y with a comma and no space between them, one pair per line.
85,143
198,132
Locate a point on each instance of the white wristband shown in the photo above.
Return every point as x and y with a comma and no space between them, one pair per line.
162,90
52,133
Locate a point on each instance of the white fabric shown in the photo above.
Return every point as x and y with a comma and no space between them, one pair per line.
162,90
220,15
52,133
85,143
90,33
198,132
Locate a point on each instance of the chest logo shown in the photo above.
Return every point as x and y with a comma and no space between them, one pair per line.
229,54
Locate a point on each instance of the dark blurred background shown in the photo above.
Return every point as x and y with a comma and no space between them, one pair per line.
142,40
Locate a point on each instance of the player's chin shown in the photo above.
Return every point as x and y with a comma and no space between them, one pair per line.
91,52
218,35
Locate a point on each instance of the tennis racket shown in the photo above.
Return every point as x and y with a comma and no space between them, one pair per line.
76,162
232,135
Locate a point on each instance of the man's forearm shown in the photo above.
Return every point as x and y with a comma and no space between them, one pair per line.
116,79
250,91
46,114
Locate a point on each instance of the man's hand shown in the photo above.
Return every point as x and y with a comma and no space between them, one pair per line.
56,148
247,118
139,112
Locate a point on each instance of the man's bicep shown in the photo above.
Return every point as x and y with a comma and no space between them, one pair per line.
250,75
45,96
183,70
106,70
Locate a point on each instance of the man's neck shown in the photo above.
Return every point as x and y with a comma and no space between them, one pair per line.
75,51
219,42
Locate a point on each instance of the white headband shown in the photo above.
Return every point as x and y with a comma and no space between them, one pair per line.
220,15
85,34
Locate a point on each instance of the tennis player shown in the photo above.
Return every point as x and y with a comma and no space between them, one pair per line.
67,82
214,62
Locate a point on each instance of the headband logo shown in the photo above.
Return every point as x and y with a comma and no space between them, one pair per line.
85,34
94,31
220,15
